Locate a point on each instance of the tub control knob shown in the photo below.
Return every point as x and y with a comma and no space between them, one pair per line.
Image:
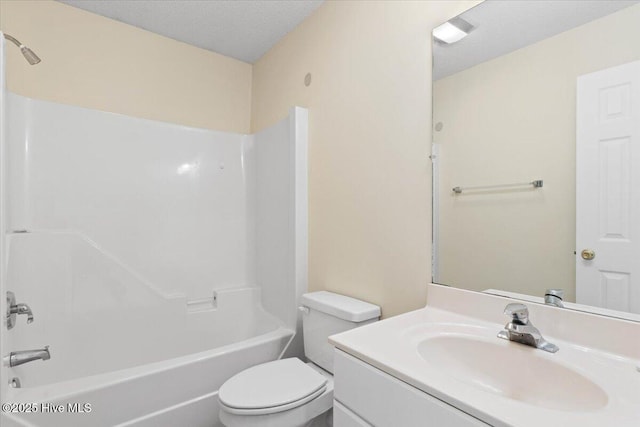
13,309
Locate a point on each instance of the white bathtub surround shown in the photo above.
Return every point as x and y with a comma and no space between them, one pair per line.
449,350
281,218
169,201
159,260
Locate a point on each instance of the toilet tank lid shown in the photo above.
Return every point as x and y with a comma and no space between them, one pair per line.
341,306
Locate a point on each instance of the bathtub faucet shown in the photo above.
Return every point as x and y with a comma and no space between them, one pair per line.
17,358
22,309
13,309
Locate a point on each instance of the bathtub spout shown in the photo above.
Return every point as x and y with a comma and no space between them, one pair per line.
17,358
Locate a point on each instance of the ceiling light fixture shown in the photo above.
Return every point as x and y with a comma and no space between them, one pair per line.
452,31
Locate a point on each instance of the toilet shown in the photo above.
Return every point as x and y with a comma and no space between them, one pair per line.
290,392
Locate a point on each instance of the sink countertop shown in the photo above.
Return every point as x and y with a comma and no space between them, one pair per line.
392,346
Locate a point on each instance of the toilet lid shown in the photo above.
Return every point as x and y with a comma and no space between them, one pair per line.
272,387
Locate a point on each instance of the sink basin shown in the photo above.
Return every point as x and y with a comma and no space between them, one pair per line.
513,371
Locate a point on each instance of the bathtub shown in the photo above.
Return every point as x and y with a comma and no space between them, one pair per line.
126,354
159,260
180,391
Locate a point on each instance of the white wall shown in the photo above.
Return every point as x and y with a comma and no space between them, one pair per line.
512,119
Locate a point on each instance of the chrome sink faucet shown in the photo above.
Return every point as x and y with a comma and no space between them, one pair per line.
554,297
520,329
17,358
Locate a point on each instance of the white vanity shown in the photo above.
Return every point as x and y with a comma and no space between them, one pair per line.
444,365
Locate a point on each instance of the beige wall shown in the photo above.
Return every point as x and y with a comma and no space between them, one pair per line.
96,62
370,117
512,119
370,121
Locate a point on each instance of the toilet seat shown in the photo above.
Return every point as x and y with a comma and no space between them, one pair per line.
272,387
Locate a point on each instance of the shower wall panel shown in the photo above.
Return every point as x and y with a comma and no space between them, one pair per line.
168,202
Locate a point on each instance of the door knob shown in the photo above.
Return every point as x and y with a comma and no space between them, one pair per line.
588,254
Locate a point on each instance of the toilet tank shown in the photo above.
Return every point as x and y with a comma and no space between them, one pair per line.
325,314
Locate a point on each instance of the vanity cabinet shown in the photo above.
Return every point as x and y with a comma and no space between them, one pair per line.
367,396
343,417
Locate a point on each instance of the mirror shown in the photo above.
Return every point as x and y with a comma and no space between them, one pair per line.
536,152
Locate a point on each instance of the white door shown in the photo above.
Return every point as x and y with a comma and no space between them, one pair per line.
608,188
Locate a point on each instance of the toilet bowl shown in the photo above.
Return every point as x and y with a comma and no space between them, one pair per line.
289,392
286,392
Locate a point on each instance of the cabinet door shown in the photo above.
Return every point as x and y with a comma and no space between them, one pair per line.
381,400
343,417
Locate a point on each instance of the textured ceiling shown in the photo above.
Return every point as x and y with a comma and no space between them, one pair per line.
504,26
241,29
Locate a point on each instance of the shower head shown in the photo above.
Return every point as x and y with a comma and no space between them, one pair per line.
28,54
31,57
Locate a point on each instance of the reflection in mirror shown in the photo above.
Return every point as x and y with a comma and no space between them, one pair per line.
543,91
